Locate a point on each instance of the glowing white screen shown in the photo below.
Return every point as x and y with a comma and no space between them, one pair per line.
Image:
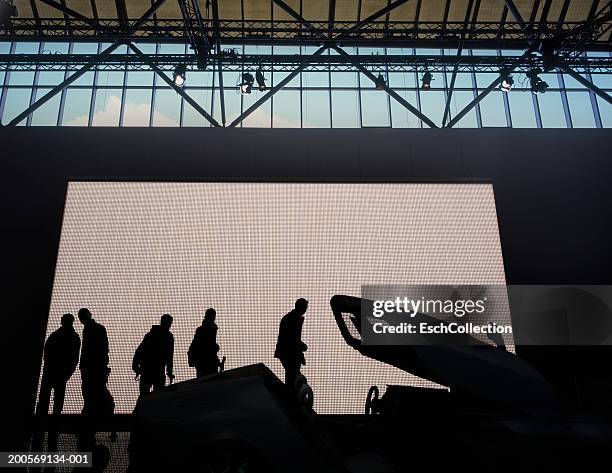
133,251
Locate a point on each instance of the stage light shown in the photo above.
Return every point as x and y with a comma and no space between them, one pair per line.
538,86
426,80
7,11
546,49
507,80
180,75
246,85
261,80
380,82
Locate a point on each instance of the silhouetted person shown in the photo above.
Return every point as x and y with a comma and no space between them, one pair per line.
93,365
289,347
61,356
203,350
97,399
154,356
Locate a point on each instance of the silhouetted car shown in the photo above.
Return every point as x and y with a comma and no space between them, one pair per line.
490,403
241,420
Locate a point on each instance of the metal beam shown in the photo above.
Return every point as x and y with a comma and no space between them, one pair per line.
468,12
171,83
58,88
515,13
69,11
331,17
589,85
492,86
291,12
277,87
87,67
379,13
215,12
387,89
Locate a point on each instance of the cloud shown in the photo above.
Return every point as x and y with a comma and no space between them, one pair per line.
134,114
137,114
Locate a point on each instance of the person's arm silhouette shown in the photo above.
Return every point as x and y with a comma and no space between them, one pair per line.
74,355
170,364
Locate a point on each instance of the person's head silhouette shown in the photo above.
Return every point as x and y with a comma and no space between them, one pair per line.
166,321
210,315
84,315
301,305
67,320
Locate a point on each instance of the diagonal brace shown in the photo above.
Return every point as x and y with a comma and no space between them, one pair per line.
278,86
391,92
87,67
171,83
588,84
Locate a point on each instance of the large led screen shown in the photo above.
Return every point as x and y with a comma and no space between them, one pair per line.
132,251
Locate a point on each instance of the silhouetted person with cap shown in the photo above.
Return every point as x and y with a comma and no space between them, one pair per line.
61,356
289,347
154,355
94,365
203,350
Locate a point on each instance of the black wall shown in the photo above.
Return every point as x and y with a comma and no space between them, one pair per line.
553,193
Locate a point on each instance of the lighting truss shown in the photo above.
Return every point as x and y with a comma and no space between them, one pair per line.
489,35
288,62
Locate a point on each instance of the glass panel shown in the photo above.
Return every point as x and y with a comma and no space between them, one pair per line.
27,47
110,78
204,79
581,110
16,102
492,111
551,110
191,117
261,117
432,105
167,108
50,77
603,81
605,112
286,109
402,117
459,100
344,79
172,48
484,79
76,107
402,79
462,81
571,83
315,79
233,103
137,107
374,108
46,114
140,78
345,108
21,78
316,111
107,107
53,77
521,110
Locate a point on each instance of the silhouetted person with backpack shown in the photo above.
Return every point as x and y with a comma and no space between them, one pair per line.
61,356
289,347
203,350
154,355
